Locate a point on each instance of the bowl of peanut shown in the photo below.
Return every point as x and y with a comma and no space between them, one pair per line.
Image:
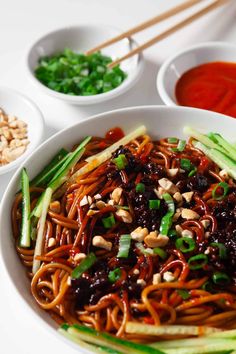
21,128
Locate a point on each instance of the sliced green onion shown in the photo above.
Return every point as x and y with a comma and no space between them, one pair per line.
160,252
220,278
85,265
172,140
166,220
186,164
114,275
185,244
184,293
109,222
225,188
198,261
124,246
169,201
207,286
192,172
154,204
25,226
140,188
222,249
172,234
181,145
120,162
144,250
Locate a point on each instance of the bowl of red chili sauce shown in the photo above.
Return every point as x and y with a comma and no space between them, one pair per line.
202,76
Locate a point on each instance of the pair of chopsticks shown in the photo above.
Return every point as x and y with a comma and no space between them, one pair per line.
157,19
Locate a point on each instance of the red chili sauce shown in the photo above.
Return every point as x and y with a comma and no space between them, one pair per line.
210,86
115,134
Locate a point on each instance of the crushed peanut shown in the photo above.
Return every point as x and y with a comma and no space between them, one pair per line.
13,138
99,241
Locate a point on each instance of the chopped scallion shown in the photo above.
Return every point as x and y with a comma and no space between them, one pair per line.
172,140
184,293
186,164
220,278
160,252
114,275
124,246
85,264
120,162
222,249
140,188
198,261
154,204
221,185
109,222
185,244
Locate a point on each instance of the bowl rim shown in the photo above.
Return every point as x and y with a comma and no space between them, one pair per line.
85,100
160,80
43,324
40,128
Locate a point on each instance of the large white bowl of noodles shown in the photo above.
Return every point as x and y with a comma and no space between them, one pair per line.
161,121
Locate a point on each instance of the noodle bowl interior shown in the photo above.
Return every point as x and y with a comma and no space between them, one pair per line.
148,236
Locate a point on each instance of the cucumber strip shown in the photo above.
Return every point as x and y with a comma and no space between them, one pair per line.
188,343
91,348
104,339
46,174
219,158
42,221
231,333
25,226
213,348
140,328
203,139
47,177
96,160
226,145
61,174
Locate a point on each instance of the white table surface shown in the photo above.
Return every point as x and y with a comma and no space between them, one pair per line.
21,22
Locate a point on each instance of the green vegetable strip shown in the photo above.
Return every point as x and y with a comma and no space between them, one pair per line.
143,250
198,261
220,278
124,246
47,173
225,145
185,244
25,227
202,138
39,241
225,187
166,221
101,338
114,275
96,160
92,348
219,158
120,162
86,263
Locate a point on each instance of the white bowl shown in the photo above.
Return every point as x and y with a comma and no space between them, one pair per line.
16,104
174,67
161,121
81,38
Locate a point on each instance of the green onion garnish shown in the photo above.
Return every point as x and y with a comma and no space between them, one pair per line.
154,204
109,222
184,294
160,252
140,188
192,172
198,261
181,145
172,234
114,275
120,162
220,278
85,264
172,140
207,286
186,164
222,249
124,246
166,220
185,244
144,250
217,196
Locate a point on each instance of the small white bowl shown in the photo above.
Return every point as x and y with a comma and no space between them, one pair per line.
161,121
173,68
81,38
16,104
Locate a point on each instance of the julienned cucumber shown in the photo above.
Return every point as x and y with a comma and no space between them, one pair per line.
25,227
104,339
61,174
218,139
93,349
47,173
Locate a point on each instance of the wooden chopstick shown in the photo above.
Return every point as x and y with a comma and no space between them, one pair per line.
168,32
153,21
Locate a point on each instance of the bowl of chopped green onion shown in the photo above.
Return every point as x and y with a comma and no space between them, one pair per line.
58,64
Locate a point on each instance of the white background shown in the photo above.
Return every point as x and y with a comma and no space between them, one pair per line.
21,23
